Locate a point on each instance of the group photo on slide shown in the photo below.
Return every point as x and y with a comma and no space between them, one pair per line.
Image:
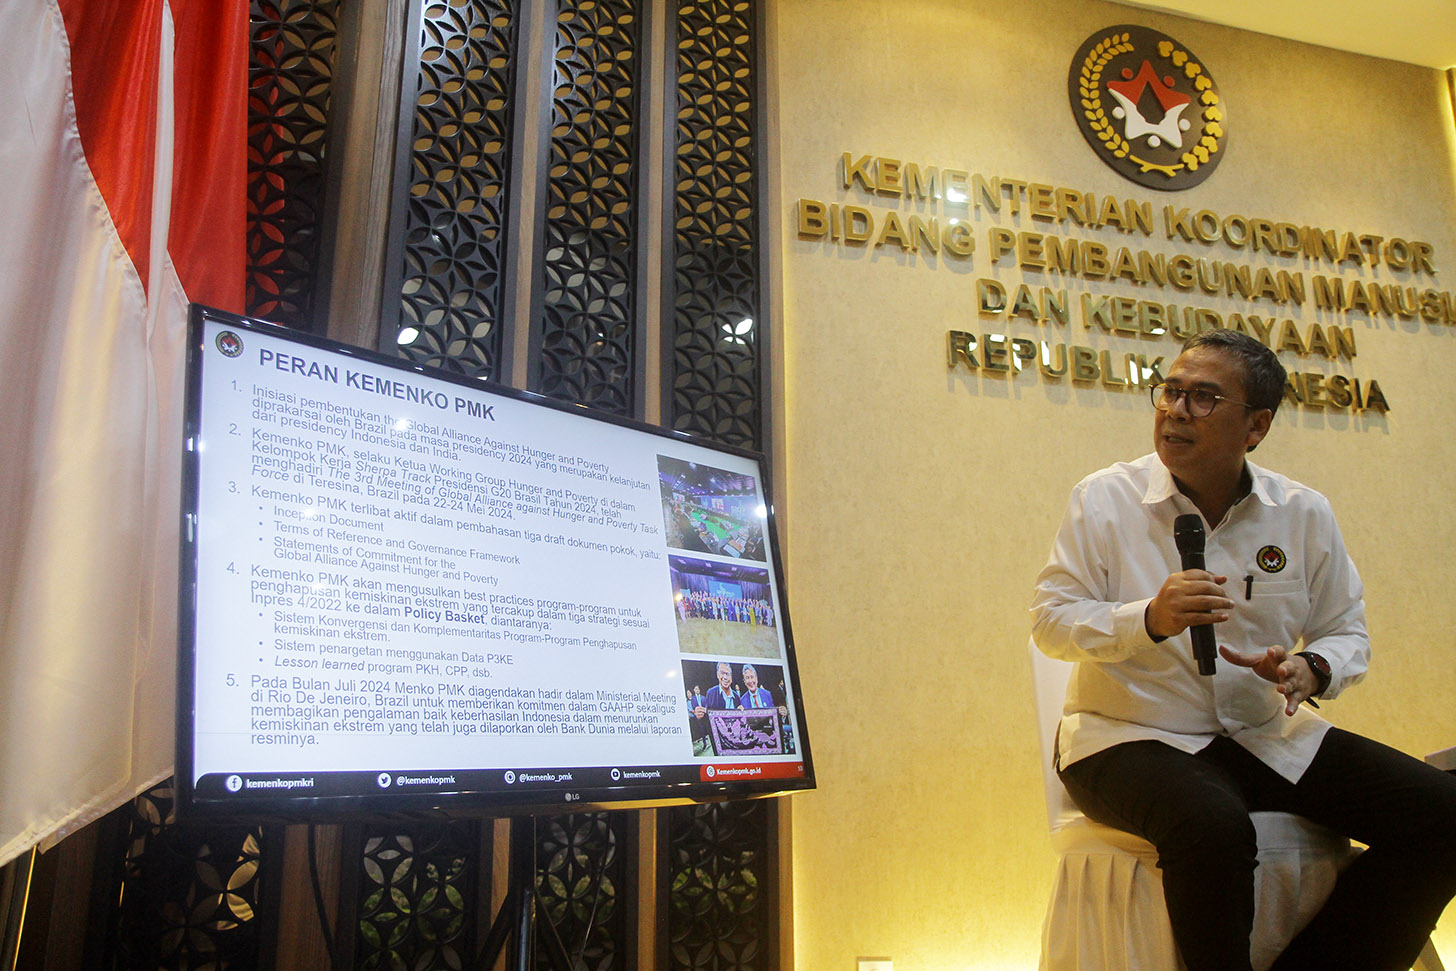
723,608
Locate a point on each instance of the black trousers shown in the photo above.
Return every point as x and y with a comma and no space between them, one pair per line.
1195,810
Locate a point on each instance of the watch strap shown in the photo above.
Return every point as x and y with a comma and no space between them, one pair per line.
1321,669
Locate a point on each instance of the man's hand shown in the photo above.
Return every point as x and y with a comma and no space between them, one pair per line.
1186,600
1291,674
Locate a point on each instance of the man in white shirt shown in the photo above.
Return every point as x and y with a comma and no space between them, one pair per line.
1148,745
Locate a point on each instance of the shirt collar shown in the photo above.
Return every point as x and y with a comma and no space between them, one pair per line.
1260,480
1161,485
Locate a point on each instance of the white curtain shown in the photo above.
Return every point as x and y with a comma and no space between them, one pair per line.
92,331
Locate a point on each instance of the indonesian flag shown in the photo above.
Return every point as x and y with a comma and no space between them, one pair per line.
122,169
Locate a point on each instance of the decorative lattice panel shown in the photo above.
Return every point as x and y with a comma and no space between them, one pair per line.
717,867
190,896
290,81
581,876
417,898
715,386
588,308
445,298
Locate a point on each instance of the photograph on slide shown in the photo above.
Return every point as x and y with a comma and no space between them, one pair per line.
737,708
708,510
723,608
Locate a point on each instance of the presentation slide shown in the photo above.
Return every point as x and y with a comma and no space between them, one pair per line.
404,589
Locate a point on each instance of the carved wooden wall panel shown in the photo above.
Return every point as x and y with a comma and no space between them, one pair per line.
587,333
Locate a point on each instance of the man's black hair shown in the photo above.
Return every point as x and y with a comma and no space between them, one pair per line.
1263,374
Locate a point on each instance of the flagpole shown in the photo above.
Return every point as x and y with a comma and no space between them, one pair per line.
15,878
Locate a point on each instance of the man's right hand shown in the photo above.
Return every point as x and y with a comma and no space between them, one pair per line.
1186,600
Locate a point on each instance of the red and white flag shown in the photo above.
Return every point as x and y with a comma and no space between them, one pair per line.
123,160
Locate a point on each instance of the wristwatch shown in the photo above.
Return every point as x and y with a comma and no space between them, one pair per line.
1321,669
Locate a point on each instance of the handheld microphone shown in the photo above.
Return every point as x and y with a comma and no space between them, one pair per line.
1188,534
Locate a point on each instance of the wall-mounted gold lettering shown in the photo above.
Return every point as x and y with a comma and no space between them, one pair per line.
1315,390
997,354
857,226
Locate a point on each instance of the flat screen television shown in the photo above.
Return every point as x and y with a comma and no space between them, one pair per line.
405,591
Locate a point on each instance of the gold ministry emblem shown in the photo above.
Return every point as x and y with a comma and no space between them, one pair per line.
1148,107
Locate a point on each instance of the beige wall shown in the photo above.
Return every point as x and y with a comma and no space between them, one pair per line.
921,502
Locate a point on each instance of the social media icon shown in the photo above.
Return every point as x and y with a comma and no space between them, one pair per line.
712,772
510,778
384,780
234,783
616,775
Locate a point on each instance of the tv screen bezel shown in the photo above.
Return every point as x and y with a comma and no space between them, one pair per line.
469,803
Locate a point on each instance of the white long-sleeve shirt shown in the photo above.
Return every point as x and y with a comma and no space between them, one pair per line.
1289,577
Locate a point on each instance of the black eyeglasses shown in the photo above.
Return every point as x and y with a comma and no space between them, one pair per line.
1200,403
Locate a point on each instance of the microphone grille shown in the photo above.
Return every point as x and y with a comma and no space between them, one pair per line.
1188,533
